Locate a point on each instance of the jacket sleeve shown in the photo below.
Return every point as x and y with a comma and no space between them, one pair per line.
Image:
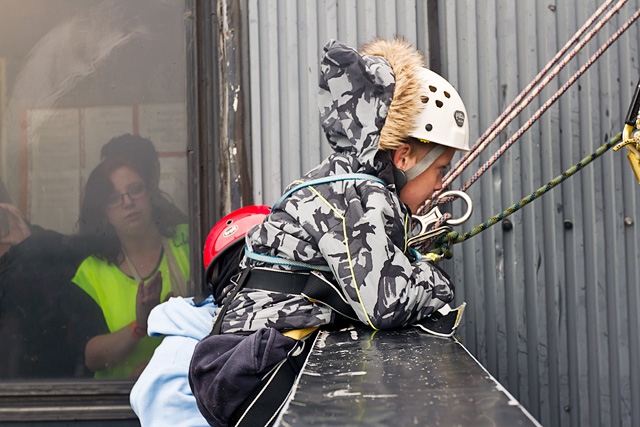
366,254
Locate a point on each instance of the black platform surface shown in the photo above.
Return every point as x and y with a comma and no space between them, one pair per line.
360,377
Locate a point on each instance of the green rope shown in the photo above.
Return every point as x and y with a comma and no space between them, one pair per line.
444,243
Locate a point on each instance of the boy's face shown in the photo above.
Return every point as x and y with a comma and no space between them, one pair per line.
421,188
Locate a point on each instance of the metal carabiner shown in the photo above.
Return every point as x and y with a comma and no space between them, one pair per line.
421,230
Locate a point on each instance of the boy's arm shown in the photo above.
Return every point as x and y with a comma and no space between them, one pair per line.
384,287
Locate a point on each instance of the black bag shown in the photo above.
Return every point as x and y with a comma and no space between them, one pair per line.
226,369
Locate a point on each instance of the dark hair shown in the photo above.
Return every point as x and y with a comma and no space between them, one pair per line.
138,150
138,154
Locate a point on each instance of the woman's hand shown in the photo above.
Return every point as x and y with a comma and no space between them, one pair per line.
113,348
147,298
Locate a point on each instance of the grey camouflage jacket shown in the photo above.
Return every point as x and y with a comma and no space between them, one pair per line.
356,227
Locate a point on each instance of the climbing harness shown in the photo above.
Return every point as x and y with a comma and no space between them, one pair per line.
310,284
328,179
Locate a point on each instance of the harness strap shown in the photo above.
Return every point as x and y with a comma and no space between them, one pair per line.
286,282
258,408
425,162
311,285
276,260
217,325
329,179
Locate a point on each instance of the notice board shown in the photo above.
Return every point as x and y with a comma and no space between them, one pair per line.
63,146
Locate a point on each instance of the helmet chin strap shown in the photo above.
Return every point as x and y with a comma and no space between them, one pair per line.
426,161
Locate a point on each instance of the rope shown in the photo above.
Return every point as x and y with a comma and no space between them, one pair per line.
514,109
444,243
549,102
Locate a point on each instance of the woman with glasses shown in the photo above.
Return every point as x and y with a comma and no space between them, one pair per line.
141,254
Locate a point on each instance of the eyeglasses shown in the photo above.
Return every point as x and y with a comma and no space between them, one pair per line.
135,191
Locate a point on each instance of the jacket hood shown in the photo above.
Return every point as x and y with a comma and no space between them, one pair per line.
367,100
181,317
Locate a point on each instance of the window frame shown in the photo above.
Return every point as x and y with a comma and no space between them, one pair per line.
49,400
85,400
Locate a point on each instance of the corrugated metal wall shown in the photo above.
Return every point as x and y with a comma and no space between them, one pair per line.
552,294
285,40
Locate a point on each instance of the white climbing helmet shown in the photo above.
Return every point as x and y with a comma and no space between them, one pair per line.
443,119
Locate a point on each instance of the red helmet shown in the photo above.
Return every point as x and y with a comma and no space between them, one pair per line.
231,229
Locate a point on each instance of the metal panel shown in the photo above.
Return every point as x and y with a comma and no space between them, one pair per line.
285,44
553,299
552,292
361,377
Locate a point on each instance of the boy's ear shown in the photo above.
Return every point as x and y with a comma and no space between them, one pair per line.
401,156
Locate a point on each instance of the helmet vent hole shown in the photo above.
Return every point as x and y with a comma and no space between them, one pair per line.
433,88
446,94
424,99
439,104
428,127
229,221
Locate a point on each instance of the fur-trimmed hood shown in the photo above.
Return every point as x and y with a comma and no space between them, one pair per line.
367,100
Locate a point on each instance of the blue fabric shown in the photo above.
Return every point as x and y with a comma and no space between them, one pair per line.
161,396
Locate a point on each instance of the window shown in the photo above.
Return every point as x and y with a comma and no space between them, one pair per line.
93,169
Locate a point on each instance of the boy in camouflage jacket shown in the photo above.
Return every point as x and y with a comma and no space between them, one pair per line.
368,108
394,126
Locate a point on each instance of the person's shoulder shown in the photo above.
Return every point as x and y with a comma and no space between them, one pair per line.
40,242
91,266
89,273
93,261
